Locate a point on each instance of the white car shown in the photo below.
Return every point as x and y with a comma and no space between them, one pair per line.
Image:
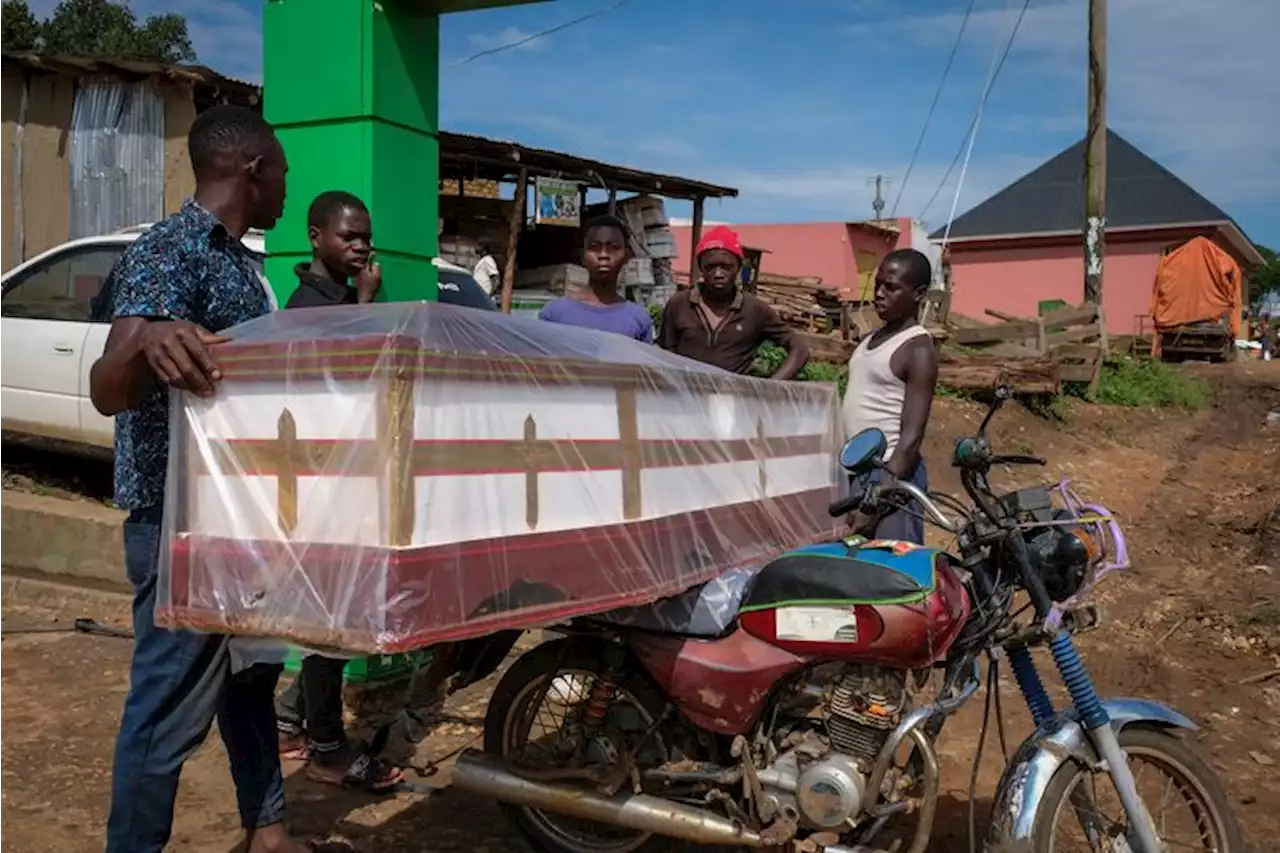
48,341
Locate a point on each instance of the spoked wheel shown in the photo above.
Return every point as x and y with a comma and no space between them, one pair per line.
538,721
1082,810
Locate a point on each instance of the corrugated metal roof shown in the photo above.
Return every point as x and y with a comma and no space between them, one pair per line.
463,152
509,156
1050,200
197,74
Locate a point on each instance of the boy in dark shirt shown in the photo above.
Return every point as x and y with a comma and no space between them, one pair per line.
341,234
309,713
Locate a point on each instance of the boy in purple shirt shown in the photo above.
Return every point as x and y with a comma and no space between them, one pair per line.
605,253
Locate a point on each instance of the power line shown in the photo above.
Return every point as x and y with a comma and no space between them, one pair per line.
986,93
933,106
544,33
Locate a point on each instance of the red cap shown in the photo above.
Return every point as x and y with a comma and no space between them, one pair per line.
721,237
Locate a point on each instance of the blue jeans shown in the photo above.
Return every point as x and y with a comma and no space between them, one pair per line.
178,683
905,525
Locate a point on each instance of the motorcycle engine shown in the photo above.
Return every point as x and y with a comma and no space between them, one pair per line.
864,708
823,780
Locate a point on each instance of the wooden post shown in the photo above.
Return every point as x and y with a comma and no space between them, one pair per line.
695,235
514,223
1095,164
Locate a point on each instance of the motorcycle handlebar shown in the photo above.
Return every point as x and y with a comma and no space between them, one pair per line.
844,506
1018,459
876,494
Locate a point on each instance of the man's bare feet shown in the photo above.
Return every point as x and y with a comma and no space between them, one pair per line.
274,839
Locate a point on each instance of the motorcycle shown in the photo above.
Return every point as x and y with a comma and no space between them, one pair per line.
789,706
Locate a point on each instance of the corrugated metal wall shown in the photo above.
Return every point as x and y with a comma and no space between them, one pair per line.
38,149
117,156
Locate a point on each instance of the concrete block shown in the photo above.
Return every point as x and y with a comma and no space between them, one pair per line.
61,537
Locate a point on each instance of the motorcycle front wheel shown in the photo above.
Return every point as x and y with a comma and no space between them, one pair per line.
535,720
1081,810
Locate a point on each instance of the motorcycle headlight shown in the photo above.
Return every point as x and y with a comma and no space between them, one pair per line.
1086,541
1066,565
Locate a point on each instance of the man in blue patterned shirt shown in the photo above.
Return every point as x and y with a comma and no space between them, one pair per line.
188,275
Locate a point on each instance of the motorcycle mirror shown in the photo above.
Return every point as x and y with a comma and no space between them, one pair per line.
864,451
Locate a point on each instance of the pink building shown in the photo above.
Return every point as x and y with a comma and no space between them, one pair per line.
1023,246
843,254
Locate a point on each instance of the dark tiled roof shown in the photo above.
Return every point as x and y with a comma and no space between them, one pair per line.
1050,200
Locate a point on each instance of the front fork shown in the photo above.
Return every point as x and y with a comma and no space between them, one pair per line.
1095,720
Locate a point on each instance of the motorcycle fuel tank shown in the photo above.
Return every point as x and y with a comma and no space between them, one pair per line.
889,603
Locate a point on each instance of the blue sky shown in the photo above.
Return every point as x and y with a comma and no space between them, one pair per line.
799,103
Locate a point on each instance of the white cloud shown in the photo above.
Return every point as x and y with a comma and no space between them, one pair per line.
512,37
843,192
1194,88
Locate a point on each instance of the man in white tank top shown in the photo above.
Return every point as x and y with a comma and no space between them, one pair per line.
891,379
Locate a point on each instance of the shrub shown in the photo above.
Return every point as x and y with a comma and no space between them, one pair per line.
771,356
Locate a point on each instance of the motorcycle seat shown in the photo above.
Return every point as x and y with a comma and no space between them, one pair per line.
846,572
705,612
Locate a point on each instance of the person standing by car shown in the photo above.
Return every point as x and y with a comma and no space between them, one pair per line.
719,324
605,252
188,275
892,375
486,271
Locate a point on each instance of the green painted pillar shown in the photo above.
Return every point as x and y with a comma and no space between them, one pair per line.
352,88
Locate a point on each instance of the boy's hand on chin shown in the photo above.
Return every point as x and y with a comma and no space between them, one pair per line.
368,281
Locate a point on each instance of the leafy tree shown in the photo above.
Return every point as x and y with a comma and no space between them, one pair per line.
20,27
106,28
1265,280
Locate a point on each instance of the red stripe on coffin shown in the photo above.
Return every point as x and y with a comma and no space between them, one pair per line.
447,592
359,358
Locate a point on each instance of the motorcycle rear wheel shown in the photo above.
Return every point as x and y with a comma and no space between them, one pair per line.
550,672
1186,771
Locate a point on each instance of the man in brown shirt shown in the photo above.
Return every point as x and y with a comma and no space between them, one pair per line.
717,323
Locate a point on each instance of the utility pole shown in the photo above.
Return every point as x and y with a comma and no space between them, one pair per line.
878,204
1095,157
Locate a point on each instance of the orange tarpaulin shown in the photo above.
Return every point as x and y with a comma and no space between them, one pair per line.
1196,283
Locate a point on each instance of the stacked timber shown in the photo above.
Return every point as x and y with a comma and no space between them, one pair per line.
967,372
1073,338
801,301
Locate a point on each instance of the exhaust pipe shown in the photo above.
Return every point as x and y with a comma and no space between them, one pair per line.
481,773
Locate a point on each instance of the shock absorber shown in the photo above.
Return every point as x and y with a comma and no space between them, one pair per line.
598,701
1028,678
1094,718
1079,684
604,687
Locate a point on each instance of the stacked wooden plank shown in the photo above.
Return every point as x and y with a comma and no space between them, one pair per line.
800,301
970,372
1073,339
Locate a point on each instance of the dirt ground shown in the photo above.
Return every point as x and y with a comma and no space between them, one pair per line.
1196,624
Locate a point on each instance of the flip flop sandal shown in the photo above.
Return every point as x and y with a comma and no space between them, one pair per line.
294,748
364,773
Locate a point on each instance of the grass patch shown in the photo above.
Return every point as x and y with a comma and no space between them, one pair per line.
1263,614
1143,383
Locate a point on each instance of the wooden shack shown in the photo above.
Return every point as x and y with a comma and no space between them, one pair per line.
49,170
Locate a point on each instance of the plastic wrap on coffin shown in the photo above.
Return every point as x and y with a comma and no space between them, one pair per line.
408,474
